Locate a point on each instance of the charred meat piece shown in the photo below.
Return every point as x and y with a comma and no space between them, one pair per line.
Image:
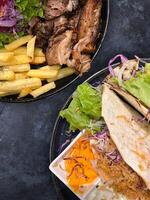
59,49
43,30
90,24
56,8
87,35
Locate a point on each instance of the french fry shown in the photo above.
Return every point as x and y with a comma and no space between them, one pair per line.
16,60
38,60
22,75
43,89
5,56
18,68
17,43
62,73
38,52
47,67
3,94
7,75
31,47
43,74
18,85
24,92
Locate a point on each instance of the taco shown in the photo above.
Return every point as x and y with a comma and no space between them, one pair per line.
131,80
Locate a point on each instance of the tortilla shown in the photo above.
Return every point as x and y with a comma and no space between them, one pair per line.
137,104
132,138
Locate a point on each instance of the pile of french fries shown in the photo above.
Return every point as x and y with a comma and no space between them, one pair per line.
17,75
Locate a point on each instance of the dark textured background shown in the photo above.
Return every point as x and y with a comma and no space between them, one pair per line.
25,129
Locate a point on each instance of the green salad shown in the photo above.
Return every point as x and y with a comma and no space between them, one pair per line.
85,108
15,17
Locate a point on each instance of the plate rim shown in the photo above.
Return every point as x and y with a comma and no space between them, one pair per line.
49,94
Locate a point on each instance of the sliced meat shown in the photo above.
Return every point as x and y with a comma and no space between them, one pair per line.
60,25
56,8
90,24
43,30
59,49
87,35
74,20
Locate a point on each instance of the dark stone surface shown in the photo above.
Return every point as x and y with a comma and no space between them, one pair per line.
25,129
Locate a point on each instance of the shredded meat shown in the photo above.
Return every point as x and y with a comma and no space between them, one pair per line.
119,175
56,8
59,49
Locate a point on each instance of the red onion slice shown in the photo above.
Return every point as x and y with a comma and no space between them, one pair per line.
122,58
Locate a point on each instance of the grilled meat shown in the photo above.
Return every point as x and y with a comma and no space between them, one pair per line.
60,25
89,24
87,35
56,8
59,49
43,31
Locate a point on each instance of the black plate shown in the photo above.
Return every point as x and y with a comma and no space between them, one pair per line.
63,83
60,135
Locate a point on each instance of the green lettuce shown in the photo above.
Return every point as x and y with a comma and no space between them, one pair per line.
29,9
5,38
84,109
139,87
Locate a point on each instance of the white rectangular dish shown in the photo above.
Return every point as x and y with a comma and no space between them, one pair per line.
62,175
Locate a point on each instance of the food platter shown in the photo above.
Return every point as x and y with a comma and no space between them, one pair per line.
60,136
63,83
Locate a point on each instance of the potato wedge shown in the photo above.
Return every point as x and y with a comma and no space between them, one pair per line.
22,75
38,52
17,43
62,73
7,75
38,60
43,89
47,67
18,85
24,92
16,60
6,56
18,68
31,47
43,74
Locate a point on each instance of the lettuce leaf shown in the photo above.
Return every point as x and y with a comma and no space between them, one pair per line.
90,100
5,38
84,109
140,87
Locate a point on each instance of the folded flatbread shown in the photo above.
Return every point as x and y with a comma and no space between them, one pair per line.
130,135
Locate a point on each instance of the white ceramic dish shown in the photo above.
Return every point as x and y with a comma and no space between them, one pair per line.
62,175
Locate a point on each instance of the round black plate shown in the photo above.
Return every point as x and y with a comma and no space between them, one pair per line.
60,136
61,84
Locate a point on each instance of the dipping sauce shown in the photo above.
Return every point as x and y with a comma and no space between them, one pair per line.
78,164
